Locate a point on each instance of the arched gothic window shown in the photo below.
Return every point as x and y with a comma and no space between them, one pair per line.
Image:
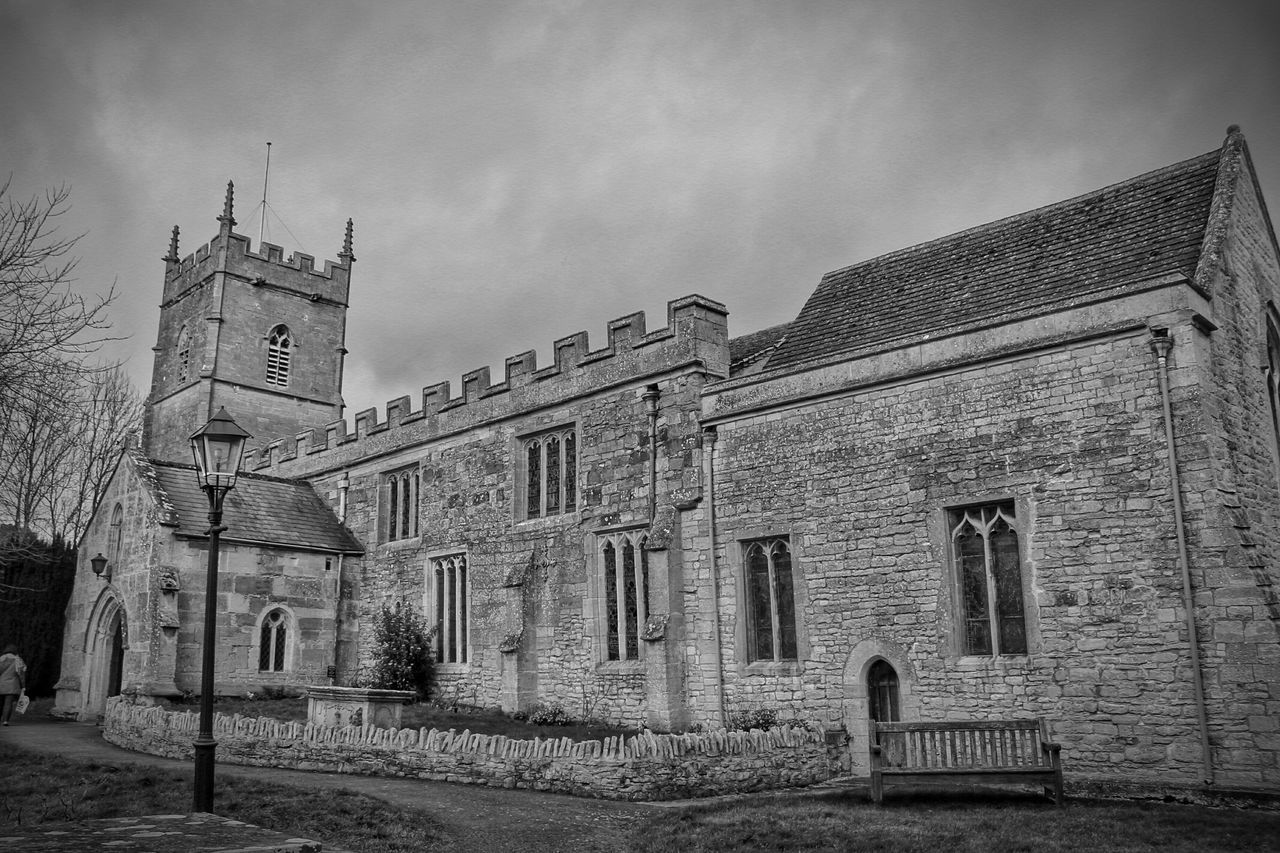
272,641
451,597
771,600
1272,377
184,354
984,543
551,473
279,351
624,588
402,505
114,536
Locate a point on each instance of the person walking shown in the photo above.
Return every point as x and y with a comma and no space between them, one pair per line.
13,680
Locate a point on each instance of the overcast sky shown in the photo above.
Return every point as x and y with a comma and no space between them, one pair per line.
520,171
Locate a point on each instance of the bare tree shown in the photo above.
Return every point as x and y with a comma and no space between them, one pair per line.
60,414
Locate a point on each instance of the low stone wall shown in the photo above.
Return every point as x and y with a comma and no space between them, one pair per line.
643,767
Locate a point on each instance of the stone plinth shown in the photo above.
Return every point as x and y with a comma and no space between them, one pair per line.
356,706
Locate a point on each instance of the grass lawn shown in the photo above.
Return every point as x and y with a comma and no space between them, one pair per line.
936,822
36,788
420,715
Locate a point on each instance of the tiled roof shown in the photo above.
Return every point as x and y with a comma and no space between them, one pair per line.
1126,233
746,351
272,511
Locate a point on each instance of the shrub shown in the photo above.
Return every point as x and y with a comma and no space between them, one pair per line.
548,714
755,718
402,658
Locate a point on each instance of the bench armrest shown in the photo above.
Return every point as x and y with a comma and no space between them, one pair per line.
1051,747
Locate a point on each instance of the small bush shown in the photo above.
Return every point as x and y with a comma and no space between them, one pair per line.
755,718
548,714
402,658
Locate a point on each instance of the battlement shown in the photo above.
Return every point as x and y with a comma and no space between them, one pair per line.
696,332
268,266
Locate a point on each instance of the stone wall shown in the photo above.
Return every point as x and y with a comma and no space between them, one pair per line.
644,767
862,480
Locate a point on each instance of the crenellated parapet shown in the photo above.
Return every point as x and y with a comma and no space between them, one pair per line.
696,335
266,267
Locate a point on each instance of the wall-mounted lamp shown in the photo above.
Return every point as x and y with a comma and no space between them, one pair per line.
99,564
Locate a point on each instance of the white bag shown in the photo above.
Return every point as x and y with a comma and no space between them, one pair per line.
23,702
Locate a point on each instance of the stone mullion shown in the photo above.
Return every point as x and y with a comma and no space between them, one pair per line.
642,595
458,628
993,618
773,604
447,628
620,596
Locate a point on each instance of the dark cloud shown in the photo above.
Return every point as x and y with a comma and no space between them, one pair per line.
520,171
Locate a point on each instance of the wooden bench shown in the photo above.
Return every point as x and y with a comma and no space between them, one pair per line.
987,751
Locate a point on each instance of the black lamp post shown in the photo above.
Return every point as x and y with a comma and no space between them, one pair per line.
218,448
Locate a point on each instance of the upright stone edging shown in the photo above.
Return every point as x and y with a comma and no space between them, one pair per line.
644,767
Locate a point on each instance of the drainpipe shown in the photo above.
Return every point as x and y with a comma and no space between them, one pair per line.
650,397
343,485
1161,345
708,452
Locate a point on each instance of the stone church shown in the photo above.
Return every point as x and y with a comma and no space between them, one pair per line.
1030,469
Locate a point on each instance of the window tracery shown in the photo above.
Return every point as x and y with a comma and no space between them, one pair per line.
550,473
184,354
451,608
402,505
272,641
624,566
989,573
279,354
770,594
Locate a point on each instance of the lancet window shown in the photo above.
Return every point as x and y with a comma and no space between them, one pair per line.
451,608
624,589
184,354
771,601
550,473
279,355
984,541
1272,378
401,489
272,641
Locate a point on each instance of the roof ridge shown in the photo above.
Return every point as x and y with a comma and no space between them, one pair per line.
1027,214
243,475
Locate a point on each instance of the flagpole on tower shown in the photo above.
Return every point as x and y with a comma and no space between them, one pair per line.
263,223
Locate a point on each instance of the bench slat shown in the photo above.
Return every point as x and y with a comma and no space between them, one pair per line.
994,750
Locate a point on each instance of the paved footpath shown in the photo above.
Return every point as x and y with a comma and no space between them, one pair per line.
478,819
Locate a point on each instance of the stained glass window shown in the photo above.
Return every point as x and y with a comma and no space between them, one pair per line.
452,594
985,546
1272,377
272,642
551,474
770,605
402,505
611,597
625,593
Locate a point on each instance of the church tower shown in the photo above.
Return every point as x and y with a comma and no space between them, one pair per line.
256,333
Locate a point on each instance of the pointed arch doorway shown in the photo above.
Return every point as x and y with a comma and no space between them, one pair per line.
884,704
105,645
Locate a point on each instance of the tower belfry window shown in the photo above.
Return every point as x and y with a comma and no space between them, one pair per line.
279,350
184,354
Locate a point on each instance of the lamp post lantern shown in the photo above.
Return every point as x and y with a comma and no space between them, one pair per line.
218,448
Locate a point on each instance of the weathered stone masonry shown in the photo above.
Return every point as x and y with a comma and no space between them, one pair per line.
1012,366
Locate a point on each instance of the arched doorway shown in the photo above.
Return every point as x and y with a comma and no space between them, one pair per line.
106,641
884,705
115,671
